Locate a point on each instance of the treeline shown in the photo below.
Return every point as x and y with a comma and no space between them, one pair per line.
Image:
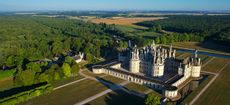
24,95
208,27
176,37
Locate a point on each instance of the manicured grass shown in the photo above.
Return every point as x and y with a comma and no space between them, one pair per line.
87,72
184,55
215,65
218,93
196,91
67,80
178,54
69,95
118,97
7,73
113,79
136,87
6,83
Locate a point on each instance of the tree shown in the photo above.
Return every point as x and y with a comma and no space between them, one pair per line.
158,28
66,70
163,40
24,78
157,40
10,60
78,44
69,60
33,66
89,57
75,68
152,99
57,75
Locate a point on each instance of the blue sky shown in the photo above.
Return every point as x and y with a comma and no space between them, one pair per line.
30,5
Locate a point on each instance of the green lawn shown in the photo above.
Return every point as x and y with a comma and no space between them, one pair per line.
196,91
6,74
67,80
218,93
136,87
118,97
87,72
69,95
184,55
113,79
6,83
215,65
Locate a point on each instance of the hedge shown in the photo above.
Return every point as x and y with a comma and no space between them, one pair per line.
26,95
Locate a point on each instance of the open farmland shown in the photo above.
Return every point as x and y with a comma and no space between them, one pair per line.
123,21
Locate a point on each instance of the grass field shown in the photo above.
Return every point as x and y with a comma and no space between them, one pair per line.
69,95
113,79
196,91
218,92
124,21
117,97
136,87
184,55
68,80
215,65
6,74
87,72
6,83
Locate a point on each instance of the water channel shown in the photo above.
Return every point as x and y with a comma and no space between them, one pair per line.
204,53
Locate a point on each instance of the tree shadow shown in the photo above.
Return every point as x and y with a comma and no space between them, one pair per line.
213,46
17,90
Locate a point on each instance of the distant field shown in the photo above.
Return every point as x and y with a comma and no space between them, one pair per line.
117,97
123,21
218,92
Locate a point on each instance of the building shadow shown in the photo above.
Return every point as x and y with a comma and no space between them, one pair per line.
118,96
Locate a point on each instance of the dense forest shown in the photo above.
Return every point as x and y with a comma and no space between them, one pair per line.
215,28
37,49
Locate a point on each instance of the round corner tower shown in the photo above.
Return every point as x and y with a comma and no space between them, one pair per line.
134,63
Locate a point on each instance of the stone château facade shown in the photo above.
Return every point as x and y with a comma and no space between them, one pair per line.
153,66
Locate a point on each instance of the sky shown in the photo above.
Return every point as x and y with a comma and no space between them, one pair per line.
69,5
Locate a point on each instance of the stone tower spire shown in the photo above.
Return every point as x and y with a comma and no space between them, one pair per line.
195,54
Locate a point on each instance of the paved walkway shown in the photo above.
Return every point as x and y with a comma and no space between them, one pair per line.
69,84
206,87
112,87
